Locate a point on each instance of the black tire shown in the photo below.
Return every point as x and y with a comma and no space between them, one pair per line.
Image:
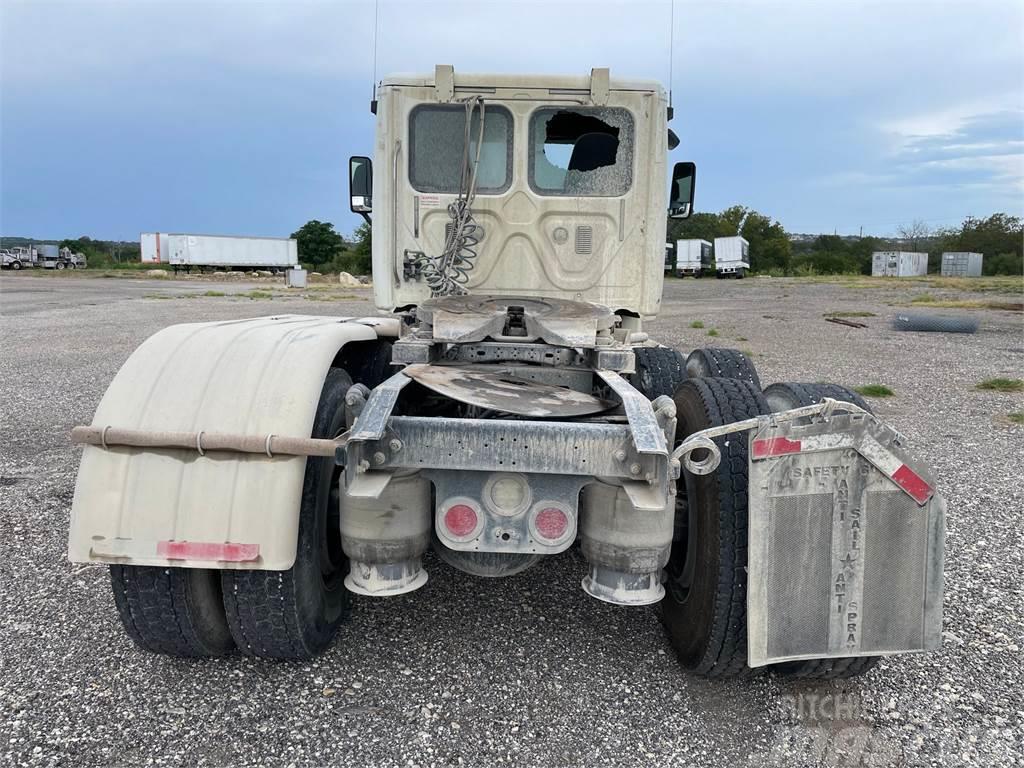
659,371
177,611
934,323
295,614
787,395
60,265
716,362
488,565
828,669
15,265
705,604
782,397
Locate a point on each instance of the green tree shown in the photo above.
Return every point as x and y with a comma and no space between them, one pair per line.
318,242
1000,237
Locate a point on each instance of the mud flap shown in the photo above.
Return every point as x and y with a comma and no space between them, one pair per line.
845,543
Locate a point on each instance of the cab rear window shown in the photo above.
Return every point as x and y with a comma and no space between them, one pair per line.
437,140
581,152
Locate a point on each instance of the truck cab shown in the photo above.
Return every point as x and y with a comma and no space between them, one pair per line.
571,186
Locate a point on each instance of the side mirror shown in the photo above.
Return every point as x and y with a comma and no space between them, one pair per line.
680,201
360,185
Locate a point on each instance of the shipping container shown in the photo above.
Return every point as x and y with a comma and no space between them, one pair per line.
961,264
692,257
154,247
899,264
732,256
273,253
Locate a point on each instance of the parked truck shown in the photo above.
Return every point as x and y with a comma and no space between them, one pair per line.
692,257
732,256
899,264
187,252
244,478
44,255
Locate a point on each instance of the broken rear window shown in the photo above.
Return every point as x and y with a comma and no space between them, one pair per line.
437,138
581,152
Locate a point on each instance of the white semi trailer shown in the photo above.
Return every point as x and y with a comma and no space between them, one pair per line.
693,256
243,479
187,252
732,256
154,248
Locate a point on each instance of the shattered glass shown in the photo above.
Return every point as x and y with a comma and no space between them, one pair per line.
584,152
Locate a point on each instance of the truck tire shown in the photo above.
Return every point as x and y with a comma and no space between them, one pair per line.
782,397
488,565
295,614
659,371
705,604
176,611
15,265
788,395
60,265
721,363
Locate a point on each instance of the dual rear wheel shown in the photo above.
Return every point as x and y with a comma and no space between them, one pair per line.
704,609
291,614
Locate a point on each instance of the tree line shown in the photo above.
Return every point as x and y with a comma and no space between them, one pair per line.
1000,237
773,251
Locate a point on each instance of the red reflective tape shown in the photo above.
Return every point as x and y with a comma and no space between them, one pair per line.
207,550
911,482
775,446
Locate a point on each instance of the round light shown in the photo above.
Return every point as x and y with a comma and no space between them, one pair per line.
551,523
508,494
461,520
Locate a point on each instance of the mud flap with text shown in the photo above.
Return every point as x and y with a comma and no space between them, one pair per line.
845,543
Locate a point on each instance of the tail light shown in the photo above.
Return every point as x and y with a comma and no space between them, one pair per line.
551,523
461,521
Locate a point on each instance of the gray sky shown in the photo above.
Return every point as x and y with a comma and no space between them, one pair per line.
238,117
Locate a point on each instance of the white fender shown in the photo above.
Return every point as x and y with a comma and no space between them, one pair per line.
176,507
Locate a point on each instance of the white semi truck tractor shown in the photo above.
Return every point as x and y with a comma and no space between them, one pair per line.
245,479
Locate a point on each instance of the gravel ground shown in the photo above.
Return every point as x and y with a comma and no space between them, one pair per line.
527,670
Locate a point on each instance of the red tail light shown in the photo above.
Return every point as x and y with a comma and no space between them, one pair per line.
550,523
461,520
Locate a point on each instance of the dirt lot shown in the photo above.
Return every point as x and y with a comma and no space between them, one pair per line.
528,670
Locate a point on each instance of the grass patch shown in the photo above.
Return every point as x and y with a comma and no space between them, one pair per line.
697,324
254,295
1006,306
214,293
1017,417
1002,385
874,390
712,332
858,313
742,338
158,296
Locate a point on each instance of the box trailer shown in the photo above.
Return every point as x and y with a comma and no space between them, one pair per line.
899,264
226,252
154,247
692,257
732,256
961,264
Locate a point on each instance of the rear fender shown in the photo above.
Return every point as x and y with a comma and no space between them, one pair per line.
180,508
